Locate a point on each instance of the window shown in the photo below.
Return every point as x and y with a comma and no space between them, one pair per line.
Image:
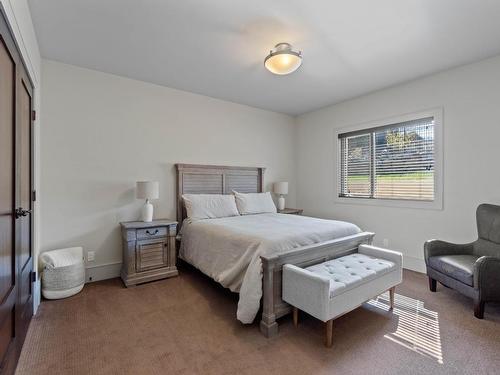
396,161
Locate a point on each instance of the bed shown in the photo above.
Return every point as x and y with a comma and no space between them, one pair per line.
246,253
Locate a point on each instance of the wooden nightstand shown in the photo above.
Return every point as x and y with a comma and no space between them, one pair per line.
291,211
148,251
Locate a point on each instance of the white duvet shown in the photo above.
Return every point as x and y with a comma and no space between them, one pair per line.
229,249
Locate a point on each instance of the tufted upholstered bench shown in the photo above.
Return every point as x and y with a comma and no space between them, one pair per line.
337,286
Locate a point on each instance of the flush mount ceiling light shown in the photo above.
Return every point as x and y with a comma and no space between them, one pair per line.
283,60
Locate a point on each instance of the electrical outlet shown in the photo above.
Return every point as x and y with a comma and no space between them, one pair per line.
90,256
386,242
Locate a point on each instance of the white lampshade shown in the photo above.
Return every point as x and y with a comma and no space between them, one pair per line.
280,187
147,190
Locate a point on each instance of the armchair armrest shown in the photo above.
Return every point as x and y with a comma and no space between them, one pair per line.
487,277
434,248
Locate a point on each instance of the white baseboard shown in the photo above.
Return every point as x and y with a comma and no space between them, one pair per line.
37,294
414,264
112,270
102,272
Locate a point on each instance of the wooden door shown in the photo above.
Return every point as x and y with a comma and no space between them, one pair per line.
16,263
24,206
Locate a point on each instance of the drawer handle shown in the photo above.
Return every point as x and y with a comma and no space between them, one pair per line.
152,234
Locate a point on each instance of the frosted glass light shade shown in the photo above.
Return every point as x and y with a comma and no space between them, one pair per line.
147,190
280,187
282,60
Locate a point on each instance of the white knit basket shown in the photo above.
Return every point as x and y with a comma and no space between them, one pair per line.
63,272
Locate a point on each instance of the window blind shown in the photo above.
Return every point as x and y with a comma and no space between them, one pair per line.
390,162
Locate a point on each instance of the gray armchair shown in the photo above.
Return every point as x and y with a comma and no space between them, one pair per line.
472,269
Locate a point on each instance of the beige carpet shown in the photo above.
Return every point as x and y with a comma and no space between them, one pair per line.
187,325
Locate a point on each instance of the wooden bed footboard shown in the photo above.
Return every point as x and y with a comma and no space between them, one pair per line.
273,306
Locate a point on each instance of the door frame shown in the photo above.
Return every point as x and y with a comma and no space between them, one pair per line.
34,140
22,77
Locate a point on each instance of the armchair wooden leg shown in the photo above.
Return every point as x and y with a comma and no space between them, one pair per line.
295,316
432,284
329,334
479,309
391,297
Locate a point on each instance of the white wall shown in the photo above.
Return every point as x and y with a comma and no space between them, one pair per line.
103,132
470,97
18,16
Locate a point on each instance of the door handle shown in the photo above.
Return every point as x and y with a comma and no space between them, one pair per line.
21,212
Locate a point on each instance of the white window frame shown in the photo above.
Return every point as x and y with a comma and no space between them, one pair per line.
437,203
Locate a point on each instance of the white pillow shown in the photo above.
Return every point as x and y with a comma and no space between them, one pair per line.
209,206
254,203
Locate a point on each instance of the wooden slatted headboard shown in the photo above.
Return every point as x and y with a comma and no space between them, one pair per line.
215,179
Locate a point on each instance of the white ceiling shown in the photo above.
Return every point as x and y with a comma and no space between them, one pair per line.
217,47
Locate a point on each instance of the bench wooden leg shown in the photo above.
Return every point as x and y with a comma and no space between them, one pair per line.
295,316
391,297
329,334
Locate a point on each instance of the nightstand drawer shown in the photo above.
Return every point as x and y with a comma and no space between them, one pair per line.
153,232
151,255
